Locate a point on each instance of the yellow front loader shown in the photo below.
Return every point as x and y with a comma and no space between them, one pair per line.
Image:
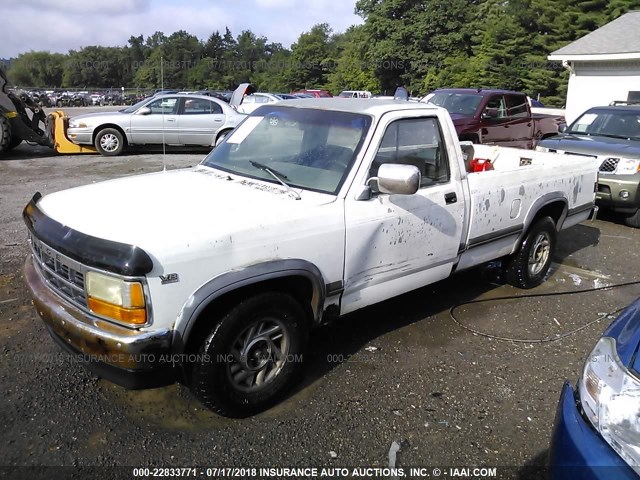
61,143
21,119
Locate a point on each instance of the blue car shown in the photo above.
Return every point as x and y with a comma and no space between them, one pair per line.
597,428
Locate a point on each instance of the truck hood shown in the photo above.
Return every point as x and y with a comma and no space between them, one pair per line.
178,210
593,145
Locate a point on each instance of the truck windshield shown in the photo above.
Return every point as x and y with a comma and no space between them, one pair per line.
615,124
460,103
308,148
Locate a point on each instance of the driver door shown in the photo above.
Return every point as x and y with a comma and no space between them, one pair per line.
396,243
160,125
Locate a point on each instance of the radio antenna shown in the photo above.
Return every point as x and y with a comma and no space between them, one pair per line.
164,145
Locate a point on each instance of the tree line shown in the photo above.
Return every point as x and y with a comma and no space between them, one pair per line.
423,44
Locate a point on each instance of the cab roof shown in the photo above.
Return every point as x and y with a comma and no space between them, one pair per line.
358,105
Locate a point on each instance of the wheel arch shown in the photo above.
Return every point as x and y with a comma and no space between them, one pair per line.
224,131
300,278
553,204
101,127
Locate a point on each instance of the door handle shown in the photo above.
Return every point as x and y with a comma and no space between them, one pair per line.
217,120
450,198
171,119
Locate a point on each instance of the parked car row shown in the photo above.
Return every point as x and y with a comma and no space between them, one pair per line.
200,118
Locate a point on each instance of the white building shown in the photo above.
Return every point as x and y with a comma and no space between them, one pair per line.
604,65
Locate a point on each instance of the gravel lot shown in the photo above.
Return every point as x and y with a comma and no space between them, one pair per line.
399,371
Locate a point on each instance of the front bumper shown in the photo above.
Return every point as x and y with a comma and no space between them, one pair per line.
80,136
611,186
131,358
578,451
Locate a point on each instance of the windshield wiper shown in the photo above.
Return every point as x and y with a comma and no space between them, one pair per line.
599,134
278,176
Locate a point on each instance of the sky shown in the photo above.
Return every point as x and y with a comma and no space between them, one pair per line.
58,26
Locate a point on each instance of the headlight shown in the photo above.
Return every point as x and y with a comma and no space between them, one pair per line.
77,124
116,298
542,149
610,397
627,166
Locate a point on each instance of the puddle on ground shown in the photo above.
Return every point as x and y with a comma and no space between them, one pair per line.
576,276
174,408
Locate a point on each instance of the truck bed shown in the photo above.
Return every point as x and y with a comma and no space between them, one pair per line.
505,199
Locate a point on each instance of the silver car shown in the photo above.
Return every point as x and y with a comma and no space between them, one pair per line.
175,119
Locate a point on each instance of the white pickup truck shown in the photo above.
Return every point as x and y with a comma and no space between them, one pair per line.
215,275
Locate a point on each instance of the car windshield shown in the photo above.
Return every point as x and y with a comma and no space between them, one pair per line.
460,103
135,106
608,123
307,148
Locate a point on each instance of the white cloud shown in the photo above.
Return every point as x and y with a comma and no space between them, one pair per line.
74,24
275,4
79,7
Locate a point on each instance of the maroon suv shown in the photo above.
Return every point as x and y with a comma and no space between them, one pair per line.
497,117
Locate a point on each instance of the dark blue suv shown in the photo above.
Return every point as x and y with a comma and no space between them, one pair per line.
597,427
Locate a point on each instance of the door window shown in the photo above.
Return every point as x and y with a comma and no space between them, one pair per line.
167,106
517,106
415,142
496,108
199,106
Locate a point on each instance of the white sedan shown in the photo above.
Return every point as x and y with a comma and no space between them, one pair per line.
255,100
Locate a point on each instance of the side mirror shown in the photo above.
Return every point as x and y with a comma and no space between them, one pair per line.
143,111
562,127
398,179
490,113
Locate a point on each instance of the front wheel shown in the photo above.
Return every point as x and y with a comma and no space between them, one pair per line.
528,267
5,134
251,356
109,142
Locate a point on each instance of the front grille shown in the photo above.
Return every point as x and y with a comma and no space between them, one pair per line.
64,275
609,165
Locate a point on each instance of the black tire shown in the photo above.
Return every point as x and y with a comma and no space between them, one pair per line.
14,142
633,220
234,355
528,267
222,136
109,142
5,134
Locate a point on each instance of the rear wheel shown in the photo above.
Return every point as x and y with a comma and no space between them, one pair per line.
221,137
528,266
109,142
251,356
633,220
5,134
